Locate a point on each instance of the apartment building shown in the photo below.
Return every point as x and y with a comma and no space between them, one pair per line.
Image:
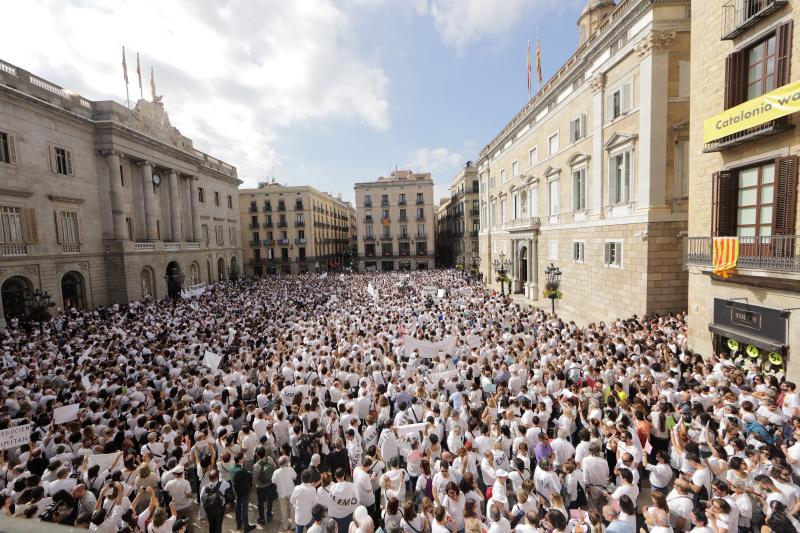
591,175
743,187
395,219
295,229
102,204
458,221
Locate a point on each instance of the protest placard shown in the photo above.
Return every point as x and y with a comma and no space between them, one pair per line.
212,360
66,413
15,436
105,460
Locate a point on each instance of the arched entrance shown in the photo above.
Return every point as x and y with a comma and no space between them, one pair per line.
14,291
523,264
73,291
146,280
174,279
234,268
221,269
210,277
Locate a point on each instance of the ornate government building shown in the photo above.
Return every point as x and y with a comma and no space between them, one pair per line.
101,204
591,175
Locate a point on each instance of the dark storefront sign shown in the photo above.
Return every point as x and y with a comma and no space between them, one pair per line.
753,324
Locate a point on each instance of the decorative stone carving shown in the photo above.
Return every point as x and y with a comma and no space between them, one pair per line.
655,41
152,119
597,83
32,270
523,200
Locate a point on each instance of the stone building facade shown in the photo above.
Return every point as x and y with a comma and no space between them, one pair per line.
295,229
395,217
744,185
458,222
101,204
591,175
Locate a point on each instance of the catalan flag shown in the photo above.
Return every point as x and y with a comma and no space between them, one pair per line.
539,59
726,256
529,68
124,66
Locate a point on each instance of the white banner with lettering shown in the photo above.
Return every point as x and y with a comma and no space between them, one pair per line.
411,428
429,349
372,291
66,413
106,460
435,377
16,436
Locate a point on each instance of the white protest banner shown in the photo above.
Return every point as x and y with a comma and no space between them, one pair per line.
410,428
324,275
105,460
66,413
440,293
212,360
85,382
428,349
16,436
372,291
341,277
436,377
429,291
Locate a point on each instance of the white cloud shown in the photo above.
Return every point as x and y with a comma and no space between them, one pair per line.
462,22
234,74
442,163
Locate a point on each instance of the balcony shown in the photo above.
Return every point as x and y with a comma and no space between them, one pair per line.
191,246
281,207
386,254
253,225
267,208
750,134
402,202
368,220
474,211
300,223
403,218
268,224
298,207
405,253
253,209
369,254
167,247
283,242
299,241
421,217
368,205
738,15
269,242
13,250
253,243
384,203
421,236
73,248
282,224
473,233
777,253
403,237
386,237
420,201
522,224
422,253
369,238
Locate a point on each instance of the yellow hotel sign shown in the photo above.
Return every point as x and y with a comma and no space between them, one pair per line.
774,104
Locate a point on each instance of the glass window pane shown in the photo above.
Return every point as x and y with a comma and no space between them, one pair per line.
746,215
766,214
747,197
749,231
769,83
753,91
771,46
765,230
752,55
754,73
768,173
771,65
767,193
748,177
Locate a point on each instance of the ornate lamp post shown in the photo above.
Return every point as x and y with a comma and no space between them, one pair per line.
37,303
233,272
553,282
476,265
460,264
175,279
501,264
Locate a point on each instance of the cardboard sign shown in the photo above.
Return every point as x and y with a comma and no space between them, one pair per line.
16,436
67,413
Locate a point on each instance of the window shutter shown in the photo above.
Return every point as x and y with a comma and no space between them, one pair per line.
68,155
572,136
783,56
607,253
12,149
59,230
723,214
609,107
78,228
786,195
612,182
735,79
30,233
583,125
53,164
626,97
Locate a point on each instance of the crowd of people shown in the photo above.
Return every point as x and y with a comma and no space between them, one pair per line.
407,402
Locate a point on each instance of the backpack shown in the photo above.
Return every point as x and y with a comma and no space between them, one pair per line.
265,471
212,501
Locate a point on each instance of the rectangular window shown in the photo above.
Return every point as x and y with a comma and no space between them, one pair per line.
129,225
579,189
385,214
619,178
681,167
230,202
759,67
514,168
578,249
61,161
384,199
8,150
420,198
755,200
554,192
11,222
534,201
404,231
369,231
612,254
220,235
502,210
420,230
367,200
387,232
552,250
533,156
299,219
204,230
420,213
619,101
515,214
301,253
201,195
121,176
216,198
402,199
552,143
577,128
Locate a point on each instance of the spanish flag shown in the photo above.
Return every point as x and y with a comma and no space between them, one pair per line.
539,59
529,68
726,256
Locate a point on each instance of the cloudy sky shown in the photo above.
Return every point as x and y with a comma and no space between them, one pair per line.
317,92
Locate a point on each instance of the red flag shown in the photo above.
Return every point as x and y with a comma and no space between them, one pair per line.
539,59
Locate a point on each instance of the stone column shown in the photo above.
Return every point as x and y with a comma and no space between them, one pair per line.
115,185
653,85
530,260
195,206
596,176
175,207
149,201
535,267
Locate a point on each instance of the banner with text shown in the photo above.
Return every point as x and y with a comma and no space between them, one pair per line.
16,436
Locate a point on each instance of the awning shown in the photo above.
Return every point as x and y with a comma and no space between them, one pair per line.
747,338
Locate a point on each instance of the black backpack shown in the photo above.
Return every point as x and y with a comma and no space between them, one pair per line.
213,503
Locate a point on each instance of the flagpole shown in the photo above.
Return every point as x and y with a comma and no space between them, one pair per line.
538,60
125,73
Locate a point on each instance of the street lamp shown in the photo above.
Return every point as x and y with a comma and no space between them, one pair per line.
36,303
501,264
553,277
460,264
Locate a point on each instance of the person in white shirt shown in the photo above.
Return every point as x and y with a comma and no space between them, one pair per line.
303,499
344,500
283,478
180,491
660,473
595,475
363,482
